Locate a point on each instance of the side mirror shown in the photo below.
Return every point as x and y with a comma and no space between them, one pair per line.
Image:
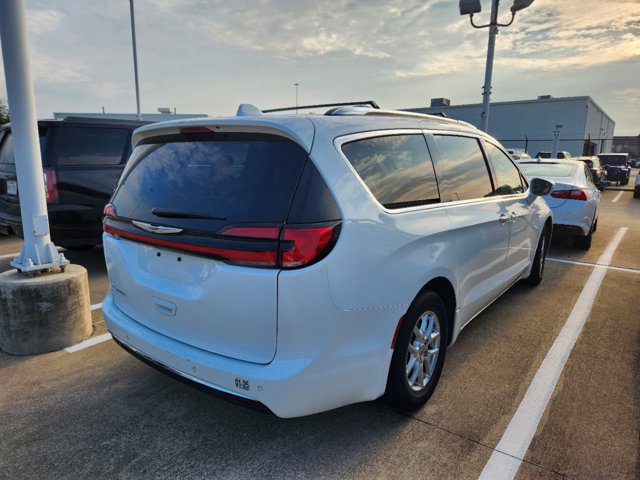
540,186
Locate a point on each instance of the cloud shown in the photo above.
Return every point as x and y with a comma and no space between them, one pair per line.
44,22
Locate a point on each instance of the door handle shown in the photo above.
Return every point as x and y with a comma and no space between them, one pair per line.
505,218
514,216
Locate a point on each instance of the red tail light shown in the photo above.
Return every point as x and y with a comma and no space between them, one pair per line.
290,247
309,245
240,257
50,185
578,194
109,210
192,130
298,246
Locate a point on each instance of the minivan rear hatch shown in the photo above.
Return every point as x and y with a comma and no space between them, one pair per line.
192,237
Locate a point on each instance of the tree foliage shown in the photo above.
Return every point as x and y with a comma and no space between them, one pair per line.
4,112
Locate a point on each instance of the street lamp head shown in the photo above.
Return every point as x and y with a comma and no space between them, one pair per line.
520,5
469,7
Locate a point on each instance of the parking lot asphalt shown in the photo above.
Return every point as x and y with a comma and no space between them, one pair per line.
100,413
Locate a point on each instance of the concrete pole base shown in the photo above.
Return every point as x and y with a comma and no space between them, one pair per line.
45,313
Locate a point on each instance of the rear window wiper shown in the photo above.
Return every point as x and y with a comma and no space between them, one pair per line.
167,213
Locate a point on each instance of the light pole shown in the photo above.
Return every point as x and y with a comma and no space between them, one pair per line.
135,61
296,85
469,7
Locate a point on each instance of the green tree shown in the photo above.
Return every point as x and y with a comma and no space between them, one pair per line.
4,112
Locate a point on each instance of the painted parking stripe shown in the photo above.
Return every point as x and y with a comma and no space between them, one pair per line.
96,306
586,264
508,454
617,197
89,343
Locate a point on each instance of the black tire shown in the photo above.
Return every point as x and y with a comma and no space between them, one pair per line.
537,269
624,182
583,243
636,193
400,393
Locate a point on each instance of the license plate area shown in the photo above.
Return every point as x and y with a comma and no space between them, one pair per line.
12,187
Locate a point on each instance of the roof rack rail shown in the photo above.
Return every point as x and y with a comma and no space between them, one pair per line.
371,103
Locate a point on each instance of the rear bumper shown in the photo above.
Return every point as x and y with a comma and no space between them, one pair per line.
289,386
618,175
67,226
10,224
569,231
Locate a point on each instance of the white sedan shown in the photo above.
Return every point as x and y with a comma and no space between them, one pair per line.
574,200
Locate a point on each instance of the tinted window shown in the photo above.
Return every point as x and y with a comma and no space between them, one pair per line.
397,169
461,169
226,179
7,155
617,160
88,146
507,181
588,175
6,152
313,201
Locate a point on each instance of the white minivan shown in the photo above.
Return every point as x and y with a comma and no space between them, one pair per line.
305,262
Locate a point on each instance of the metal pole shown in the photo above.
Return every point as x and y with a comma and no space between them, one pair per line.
37,253
135,60
486,90
556,142
296,84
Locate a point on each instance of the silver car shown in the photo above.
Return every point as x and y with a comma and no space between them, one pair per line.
574,200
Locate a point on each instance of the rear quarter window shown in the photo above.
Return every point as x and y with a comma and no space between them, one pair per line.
461,168
397,169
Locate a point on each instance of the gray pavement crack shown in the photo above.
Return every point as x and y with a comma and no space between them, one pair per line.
442,429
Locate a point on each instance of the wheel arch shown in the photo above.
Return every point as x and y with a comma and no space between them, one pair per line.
443,287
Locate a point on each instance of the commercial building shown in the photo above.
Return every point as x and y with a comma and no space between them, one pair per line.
630,145
530,124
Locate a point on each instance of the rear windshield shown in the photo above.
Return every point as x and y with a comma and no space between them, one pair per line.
547,169
87,146
618,160
211,182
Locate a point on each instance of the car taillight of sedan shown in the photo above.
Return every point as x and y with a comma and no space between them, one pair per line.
574,194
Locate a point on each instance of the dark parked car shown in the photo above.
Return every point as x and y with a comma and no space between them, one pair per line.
82,160
598,172
617,166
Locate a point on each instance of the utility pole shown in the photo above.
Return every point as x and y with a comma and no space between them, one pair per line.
38,252
135,61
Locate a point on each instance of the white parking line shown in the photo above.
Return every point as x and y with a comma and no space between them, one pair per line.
89,343
96,306
586,264
9,255
617,197
507,457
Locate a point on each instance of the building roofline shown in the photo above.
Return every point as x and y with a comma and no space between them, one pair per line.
513,102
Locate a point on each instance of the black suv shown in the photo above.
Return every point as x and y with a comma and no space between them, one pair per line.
82,160
617,166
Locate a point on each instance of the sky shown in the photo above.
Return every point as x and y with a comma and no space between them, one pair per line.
209,56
